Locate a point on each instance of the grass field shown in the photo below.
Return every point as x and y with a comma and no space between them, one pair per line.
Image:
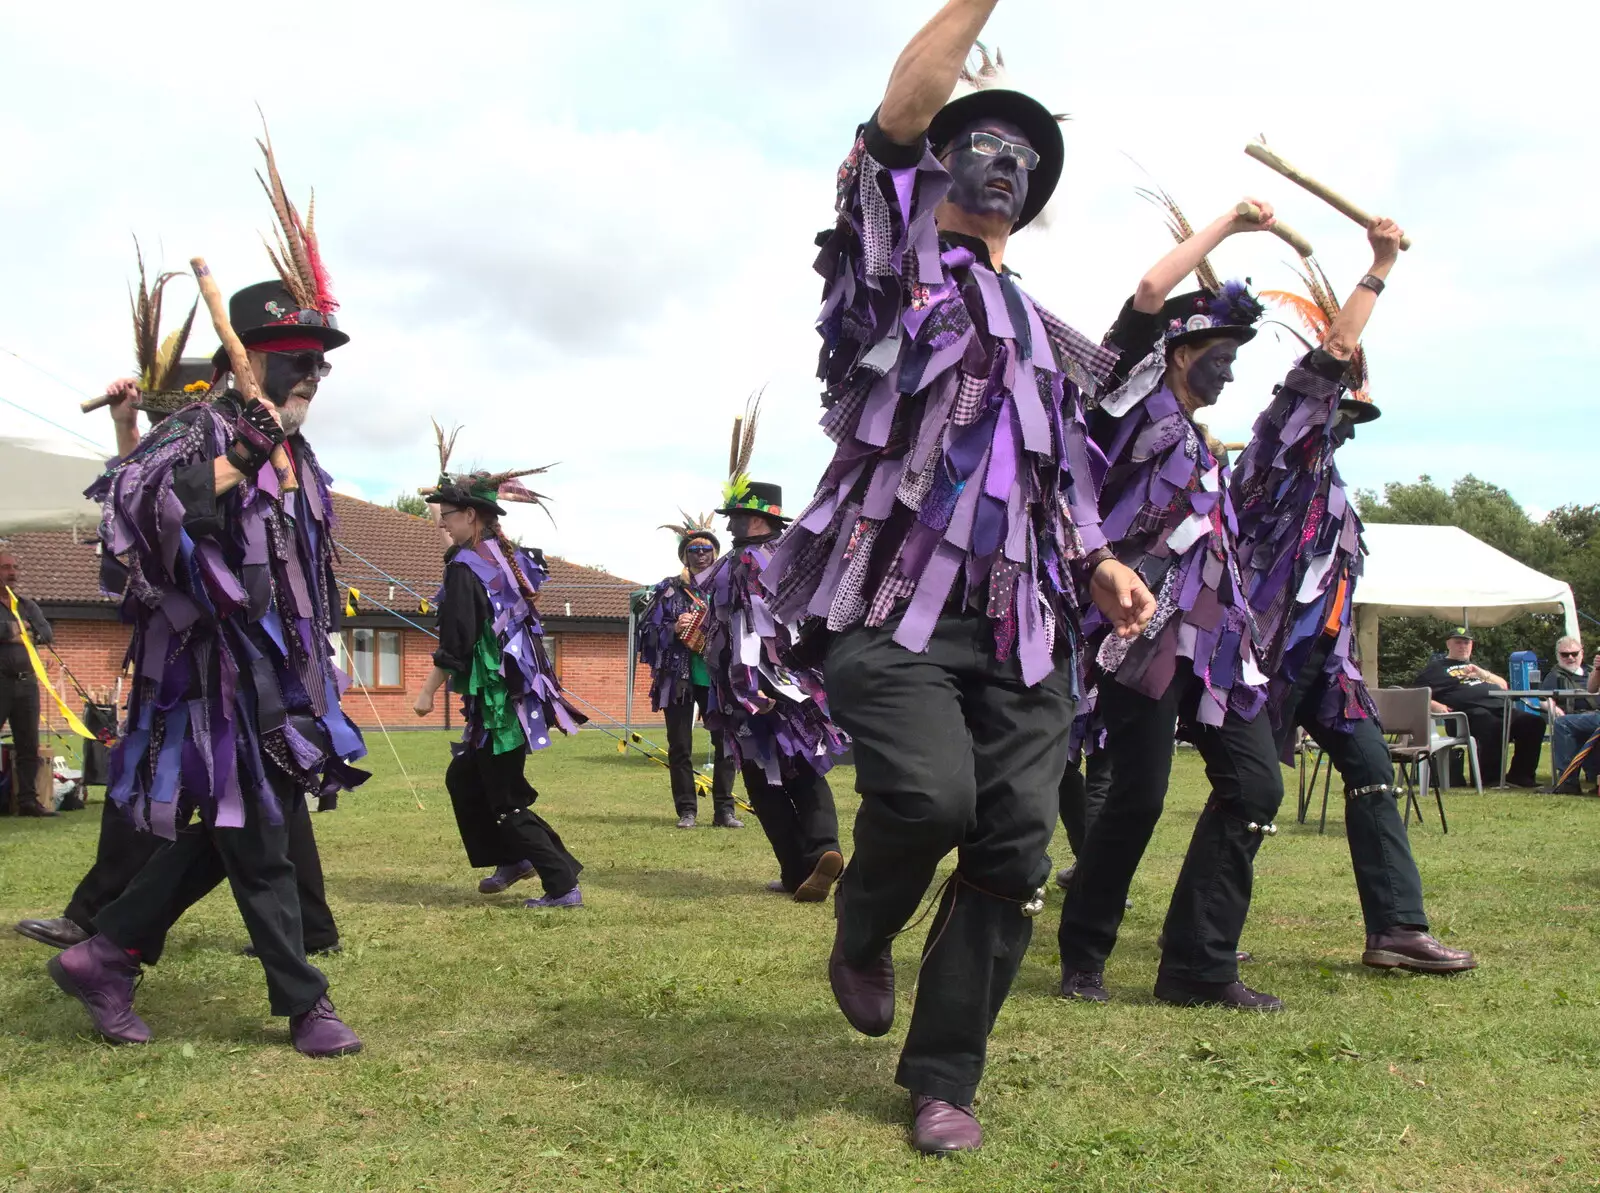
678,1033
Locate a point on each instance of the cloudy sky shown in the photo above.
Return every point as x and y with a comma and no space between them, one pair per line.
584,230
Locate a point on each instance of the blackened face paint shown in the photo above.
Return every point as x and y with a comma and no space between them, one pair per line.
1209,372
1343,432
288,370
991,184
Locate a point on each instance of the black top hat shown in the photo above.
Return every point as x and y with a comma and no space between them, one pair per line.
1036,122
267,311
1230,313
1360,412
755,497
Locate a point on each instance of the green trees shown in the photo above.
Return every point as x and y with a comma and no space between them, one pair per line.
1565,544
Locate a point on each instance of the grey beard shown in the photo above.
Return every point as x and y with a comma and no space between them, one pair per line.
292,419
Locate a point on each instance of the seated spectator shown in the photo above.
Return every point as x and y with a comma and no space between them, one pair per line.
1572,721
1459,685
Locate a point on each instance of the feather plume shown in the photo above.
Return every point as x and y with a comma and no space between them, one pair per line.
1309,313
171,353
1181,231
145,306
743,445
446,445
296,257
690,526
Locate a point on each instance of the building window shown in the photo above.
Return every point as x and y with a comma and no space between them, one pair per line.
370,657
552,647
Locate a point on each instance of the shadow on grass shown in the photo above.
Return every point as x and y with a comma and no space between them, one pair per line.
367,888
729,1056
178,1009
671,884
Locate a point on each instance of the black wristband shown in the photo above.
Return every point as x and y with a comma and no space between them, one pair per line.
1375,284
242,457
1093,560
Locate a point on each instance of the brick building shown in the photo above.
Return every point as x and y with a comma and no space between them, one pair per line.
585,614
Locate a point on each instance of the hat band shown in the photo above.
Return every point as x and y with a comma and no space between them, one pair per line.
288,344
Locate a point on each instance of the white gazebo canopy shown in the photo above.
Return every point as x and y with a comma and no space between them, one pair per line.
42,483
1442,571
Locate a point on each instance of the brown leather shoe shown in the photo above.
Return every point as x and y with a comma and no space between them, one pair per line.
30,807
864,993
1414,949
59,933
815,888
940,1127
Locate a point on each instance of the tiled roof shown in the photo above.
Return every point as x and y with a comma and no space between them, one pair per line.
379,543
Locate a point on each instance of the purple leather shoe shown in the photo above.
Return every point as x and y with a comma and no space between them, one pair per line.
940,1127
504,876
572,898
320,1032
864,993
101,976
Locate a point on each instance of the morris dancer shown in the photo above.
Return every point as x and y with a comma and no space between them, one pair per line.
1167,513
947,551
671,641
122,850
1300,537
773,720
491,645
234,712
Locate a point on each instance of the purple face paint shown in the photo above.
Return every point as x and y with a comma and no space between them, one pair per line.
987,183
1209,372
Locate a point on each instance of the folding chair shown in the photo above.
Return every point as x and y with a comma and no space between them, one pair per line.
1304,746
1405,713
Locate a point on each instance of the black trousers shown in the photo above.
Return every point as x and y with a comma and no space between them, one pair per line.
680,758
493,801
1212,896
953,752
1083,794
255,860
123,851
1387,881
1527,740
19,707
798,817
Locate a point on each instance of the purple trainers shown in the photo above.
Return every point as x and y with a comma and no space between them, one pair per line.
101,976
504,876
572,898
320,1032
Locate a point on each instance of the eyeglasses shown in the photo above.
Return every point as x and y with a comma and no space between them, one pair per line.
1570,654
701,550
992,146
309,362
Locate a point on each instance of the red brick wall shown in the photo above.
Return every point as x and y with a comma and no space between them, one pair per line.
592,666
93,652
595,667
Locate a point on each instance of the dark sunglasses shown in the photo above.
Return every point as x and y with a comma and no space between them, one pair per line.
700,550
309,362
992,146
1570,654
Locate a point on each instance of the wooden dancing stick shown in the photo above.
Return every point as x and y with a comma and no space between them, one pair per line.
240,362
89,404
1280,229
1331,197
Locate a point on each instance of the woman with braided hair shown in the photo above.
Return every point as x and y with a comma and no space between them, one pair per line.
492,646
